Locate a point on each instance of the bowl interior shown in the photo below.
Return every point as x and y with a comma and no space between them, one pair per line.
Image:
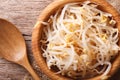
44,16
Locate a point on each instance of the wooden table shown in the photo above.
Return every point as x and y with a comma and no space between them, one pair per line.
23,14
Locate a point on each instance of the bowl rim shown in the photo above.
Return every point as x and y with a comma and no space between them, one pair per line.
49,10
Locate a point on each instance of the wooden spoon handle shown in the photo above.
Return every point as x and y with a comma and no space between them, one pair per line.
32,72
25,63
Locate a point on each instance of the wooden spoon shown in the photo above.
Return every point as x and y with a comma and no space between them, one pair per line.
13,47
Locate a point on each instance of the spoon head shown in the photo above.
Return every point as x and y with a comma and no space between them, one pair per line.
12,44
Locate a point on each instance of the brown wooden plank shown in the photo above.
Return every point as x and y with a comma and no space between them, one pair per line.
22,13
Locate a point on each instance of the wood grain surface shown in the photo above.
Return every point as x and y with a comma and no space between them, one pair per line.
23,14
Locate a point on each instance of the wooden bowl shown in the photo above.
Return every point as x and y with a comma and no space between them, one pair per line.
37,30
